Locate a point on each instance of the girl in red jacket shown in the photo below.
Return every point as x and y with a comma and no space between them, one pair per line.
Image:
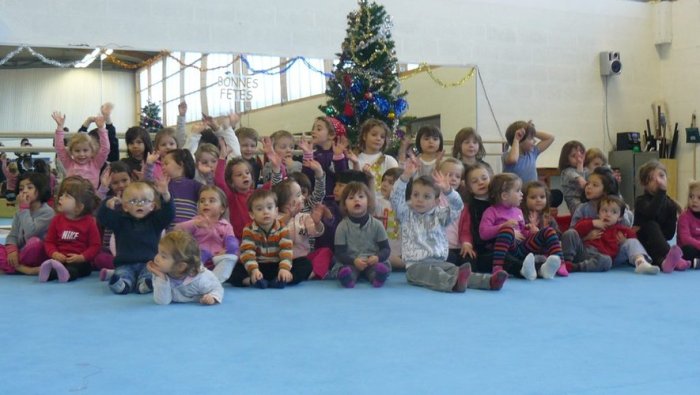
73,239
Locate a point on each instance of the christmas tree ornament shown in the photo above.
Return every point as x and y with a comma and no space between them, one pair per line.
348,111
369,96
400,106
362,106
330,110
356,87
391,115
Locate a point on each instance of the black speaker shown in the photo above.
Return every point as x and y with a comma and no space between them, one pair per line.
629,141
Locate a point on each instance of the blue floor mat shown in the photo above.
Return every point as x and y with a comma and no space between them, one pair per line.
608,333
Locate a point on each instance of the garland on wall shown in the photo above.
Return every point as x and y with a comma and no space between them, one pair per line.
279,69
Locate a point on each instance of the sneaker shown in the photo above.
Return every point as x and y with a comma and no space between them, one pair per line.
673,258
562,271
646,268
345,277
696,263
549,268
276,284
61,271
145,286
106,274
528,270
381,273
262,284
463,277
497,280
45,271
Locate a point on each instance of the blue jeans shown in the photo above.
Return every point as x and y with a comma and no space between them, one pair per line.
128,278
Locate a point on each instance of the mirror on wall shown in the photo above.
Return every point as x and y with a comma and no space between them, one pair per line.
269,92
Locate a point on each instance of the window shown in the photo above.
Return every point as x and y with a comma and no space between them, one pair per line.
262,89
302,81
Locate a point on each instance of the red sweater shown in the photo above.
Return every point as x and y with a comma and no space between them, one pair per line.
80,236
607,244
237,201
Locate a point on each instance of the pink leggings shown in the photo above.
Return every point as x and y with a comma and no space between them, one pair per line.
321,262
32,255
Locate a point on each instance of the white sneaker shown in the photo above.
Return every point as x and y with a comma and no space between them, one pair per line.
646,268
528,270
549,268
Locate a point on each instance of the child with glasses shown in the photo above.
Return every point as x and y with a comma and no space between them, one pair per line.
147,211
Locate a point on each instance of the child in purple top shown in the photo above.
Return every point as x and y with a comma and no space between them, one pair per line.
504,223
178,167
328,137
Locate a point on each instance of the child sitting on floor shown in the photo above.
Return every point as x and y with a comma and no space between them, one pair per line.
424,245
178,274
600,254
147,211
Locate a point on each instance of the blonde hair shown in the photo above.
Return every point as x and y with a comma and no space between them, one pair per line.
247,133
142,186
166,132
451,161
184,249
280,134
592,154
81,138
206,148
366,127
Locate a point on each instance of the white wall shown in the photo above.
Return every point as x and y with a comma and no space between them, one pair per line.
538,57
29,96
680,82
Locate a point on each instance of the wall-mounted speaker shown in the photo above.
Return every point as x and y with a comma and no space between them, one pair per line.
610,63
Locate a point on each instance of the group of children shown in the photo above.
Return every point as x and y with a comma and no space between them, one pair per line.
178,224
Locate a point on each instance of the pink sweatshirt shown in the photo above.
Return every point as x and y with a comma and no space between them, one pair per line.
90,170
689,229
495,216
214,239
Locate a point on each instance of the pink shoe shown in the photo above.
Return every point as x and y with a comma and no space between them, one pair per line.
562,271
45,271
674,256
61,271
682,265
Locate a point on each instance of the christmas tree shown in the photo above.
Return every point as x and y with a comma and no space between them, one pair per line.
150,117
365,81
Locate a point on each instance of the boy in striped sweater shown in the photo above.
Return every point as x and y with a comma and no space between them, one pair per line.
266,247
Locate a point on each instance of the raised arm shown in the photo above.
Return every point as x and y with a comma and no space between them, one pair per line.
61,151
546,140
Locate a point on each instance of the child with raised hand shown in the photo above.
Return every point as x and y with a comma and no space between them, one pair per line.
266,248
138,147
146,211
23,251
82,158
385,213
221,128
689,226
72,240
372,143
617,243
11,173
248,140
178,274
163,143
361,243
521,157
504,223
283,145
459,237
214,234
573,173
235,179
429,145
114,180
303,227
469,148
179,168
106,111
424,244
206,158
656,215
328,146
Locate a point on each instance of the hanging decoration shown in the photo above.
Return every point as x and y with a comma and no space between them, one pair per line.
424,67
